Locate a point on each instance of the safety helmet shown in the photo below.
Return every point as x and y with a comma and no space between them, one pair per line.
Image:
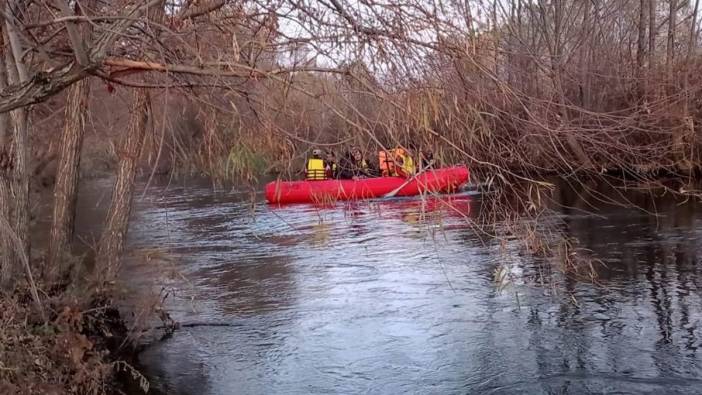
317,152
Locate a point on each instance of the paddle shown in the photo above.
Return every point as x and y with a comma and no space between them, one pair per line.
396,190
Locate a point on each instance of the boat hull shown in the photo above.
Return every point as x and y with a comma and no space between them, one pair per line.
445,180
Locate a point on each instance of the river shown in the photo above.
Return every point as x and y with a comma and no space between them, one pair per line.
400,297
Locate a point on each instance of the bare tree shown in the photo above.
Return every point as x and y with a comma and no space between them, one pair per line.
68,169
641,42
67,175
117,223
19,120
652,31
115,230
670,46
694,31
6,256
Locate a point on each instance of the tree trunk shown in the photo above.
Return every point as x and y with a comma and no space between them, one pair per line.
469,26
641,43
689,152
4,120
693,32
670,48
115,231
7,265
20,184
651,32
7,257
496,37
557,78
68,169
679,151
67,176
7,261
585,51
17,73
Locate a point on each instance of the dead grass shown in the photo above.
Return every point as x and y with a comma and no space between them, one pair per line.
76,352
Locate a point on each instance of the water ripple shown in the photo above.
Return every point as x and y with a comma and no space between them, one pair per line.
398,297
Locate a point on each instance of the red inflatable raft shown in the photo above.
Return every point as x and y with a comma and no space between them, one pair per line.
440,180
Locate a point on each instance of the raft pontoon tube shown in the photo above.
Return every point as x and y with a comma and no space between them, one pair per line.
445,180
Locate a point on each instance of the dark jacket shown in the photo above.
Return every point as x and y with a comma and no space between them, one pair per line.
427,160
349,168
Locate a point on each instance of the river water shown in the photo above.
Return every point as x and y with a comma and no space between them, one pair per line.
400,297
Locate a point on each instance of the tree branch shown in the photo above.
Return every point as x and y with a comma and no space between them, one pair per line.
74,35
40,87
215,70
190,13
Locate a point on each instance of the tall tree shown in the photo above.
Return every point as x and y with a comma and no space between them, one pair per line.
692,42
117,223
652,31
641,42
585,56
19,119
672,27
67,175
556,47
68,169
6,256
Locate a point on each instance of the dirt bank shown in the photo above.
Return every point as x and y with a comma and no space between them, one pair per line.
79,349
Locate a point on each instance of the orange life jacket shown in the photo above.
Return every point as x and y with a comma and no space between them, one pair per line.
396,162
386,163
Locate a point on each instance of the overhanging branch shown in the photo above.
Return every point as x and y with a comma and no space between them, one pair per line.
201,9
44,84
40,87
211,70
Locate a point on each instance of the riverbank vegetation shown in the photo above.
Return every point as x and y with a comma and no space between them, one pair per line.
517,90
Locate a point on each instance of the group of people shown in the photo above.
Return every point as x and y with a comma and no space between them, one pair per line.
354,165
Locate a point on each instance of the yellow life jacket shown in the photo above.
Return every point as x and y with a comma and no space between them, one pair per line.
407,166
316,170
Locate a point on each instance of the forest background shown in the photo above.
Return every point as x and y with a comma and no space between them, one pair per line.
522,90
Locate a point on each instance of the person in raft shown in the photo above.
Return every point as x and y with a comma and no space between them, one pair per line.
396,163
316,168
426,159
355,166
404,164
332,169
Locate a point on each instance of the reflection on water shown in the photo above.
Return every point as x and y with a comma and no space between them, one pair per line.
398,296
